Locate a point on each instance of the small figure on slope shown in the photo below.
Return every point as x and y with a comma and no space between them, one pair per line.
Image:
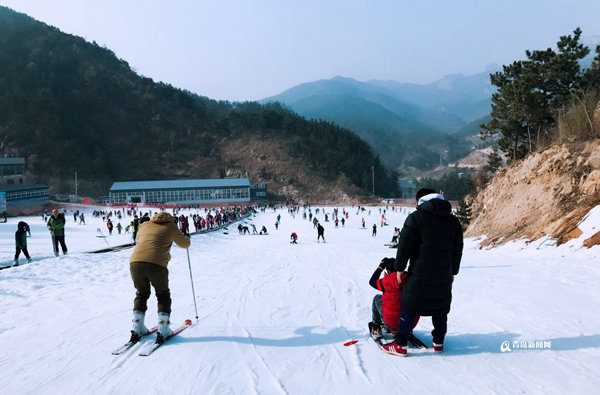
294,238
135,225
395,235
56,226
21,241
320,233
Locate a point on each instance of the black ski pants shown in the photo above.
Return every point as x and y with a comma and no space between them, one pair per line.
18,252
61,240
406,323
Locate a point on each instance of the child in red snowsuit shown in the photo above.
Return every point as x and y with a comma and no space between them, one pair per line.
386,306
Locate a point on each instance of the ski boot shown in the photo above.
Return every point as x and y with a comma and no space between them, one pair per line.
164,330
375,331
139,329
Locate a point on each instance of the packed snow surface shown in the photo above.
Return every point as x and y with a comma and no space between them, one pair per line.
273,317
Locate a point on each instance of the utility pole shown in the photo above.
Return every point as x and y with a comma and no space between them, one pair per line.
373,177
75,185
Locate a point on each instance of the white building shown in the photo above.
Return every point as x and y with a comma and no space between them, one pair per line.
223,190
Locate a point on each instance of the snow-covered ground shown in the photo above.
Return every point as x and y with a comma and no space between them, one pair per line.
273,317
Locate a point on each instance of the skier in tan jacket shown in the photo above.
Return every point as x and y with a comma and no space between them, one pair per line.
148,266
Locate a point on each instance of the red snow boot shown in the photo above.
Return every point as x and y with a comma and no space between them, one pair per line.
438,347
395,349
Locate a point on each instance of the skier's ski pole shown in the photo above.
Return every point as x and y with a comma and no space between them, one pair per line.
98,230
192,280
54,245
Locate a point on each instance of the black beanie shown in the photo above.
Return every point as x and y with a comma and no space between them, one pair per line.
389,264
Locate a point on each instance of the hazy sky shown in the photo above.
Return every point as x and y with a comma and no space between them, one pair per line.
250,49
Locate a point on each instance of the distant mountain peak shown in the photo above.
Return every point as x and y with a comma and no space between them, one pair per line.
492,68
342,78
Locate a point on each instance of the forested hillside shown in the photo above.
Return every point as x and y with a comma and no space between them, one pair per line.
69,106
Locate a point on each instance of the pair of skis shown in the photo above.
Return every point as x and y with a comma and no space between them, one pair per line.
150,348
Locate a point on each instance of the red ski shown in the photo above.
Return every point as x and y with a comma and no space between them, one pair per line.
152,347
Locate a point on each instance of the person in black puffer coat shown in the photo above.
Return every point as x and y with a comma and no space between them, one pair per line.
432,240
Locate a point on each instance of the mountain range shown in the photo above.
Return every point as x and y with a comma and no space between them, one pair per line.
408,125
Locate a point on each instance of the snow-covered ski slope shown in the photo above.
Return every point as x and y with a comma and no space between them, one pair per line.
273,316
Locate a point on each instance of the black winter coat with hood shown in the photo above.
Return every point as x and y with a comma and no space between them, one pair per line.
432,240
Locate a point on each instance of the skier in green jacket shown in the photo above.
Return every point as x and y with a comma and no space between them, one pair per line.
56,225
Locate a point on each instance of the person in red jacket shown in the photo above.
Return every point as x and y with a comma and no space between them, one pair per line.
386,306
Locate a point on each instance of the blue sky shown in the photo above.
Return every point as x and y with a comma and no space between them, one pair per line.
249,49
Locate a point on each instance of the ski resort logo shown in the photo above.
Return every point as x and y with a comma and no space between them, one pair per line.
525,345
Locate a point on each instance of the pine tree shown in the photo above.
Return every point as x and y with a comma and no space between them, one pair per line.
463,214
494,162
531,92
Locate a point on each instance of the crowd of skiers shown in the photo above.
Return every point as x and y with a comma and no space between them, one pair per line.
55,222
335,215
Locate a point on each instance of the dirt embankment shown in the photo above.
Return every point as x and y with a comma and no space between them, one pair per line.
548,193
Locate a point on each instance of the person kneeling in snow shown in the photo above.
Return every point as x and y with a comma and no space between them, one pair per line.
386,306
148,266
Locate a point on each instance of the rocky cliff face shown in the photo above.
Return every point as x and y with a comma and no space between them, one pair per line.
286,177
546,194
